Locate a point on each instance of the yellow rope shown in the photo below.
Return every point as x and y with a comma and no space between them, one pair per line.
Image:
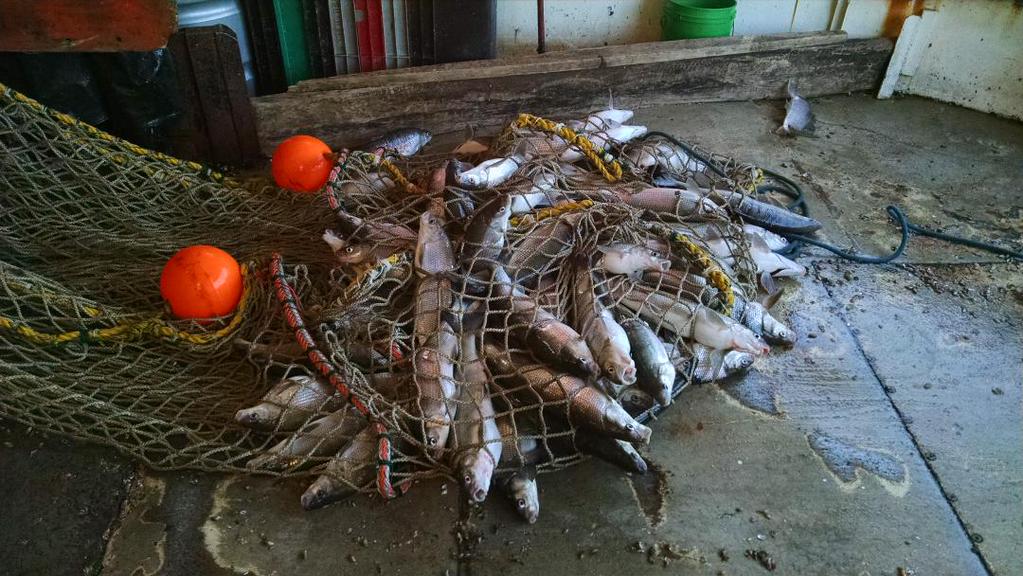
399,178
612,171
132,331
714,274
544,213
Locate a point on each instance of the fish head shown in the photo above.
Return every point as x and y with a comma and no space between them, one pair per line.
477,471
745,340
617,420
423,137
261,416
577,355
433,247
736,361
620,368
523,491
436,435
353,253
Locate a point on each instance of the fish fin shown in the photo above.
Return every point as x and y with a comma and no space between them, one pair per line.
771,299
603,249
717,362
610,99
791,87
782,131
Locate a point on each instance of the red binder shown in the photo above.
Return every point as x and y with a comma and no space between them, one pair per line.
362,33
376,34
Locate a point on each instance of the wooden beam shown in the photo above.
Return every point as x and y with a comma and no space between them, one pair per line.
571,60
347,111
86,25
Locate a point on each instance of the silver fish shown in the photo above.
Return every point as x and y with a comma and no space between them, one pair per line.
485,234
775,218
605,337
630,259
520,447
655,374
617,452
619,134
352,470
491,173
665,156
360,253
370,184
686,204
321,437
476,427
404,142
458,203
542,332
522,490
771,262
373,231
704,364
798,116
434,259
532,253
586,406
601,120
692,320
773,241
754,316
636,401
290,403
433,375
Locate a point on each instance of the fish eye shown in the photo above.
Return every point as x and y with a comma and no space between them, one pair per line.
628,427
520,503
349,250
610,368
468,478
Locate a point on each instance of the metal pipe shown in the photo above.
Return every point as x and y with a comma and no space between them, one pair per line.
541,33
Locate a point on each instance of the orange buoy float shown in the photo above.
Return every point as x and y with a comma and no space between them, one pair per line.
302,164
201,282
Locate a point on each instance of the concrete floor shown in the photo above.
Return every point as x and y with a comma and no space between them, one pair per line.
889,437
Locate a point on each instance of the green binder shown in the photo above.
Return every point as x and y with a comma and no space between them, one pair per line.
293,41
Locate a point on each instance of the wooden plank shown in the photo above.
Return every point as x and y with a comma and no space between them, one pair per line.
346,117
213,98
86,25
189,134
582,59
246,140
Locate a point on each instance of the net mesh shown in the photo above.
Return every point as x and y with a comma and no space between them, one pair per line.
368,367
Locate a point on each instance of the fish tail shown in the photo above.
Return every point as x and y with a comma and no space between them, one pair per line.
792,89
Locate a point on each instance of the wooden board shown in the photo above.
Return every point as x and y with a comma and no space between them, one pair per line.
581,59
456,95
86,25
217,126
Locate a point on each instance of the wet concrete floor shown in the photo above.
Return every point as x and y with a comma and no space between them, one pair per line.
888,438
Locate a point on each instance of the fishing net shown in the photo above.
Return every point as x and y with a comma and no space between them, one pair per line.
371,371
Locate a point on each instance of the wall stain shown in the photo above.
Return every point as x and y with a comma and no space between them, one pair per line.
898,11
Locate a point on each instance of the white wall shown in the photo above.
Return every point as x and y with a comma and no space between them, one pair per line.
587,23
969,53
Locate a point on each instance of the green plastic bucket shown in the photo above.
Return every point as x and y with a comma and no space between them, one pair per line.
697,18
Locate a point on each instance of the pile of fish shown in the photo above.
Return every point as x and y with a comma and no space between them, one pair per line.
511,315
